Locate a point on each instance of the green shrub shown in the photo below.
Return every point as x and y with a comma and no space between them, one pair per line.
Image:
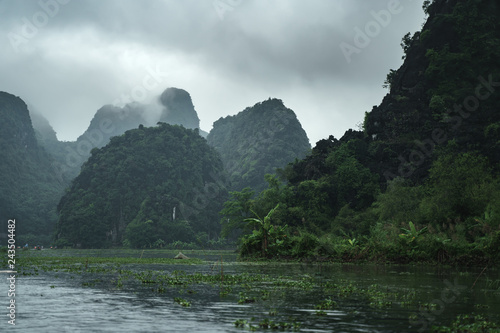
383,235
326,245
180,245
400,202
63,242
251,244
306,245
493,248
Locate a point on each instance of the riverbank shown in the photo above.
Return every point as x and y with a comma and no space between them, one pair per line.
383,246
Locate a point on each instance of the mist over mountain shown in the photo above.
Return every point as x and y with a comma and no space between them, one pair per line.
174,106
179,108
44,132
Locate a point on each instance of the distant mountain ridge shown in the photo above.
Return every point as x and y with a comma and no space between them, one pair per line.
37,167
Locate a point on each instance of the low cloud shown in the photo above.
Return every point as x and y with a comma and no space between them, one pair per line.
91,52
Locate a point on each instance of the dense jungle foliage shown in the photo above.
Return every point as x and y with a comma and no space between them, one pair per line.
421,182
146,188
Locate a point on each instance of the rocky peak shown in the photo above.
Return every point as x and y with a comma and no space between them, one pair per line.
179,108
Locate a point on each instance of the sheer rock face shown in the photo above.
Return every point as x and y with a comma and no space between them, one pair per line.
179,108
258,140
30,185
16,121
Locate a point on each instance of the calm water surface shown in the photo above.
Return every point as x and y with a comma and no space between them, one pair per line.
88,302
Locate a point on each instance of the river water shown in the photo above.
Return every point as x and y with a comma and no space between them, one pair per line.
93,302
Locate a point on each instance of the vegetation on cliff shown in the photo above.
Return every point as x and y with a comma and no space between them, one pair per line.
257,141
146,188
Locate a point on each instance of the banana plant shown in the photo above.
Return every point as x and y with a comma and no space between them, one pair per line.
264,226
353,242
350,239
411,234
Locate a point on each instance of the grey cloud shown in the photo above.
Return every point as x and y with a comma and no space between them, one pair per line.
90,52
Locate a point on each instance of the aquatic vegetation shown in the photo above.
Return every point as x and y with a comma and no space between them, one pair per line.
145,277
246,299
379,299
326,304
240,323
304,283
267,324
346,290
225,292
182,302
265,296
469,323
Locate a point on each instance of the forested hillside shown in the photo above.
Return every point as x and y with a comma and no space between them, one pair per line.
147,187
257,141
173,106
30,187
421,182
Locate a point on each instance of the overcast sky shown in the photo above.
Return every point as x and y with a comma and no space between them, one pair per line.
66,59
